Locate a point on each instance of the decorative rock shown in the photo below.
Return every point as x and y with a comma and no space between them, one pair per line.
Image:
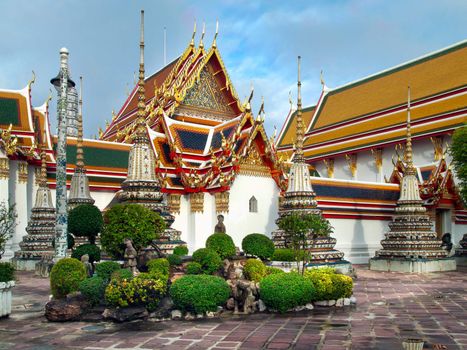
210,314
331,302
230,305
61,310
163,310
261,306
340,302
299,308
189,317
346,301
176,314
353,300
198,316
126,314
309,306
322,303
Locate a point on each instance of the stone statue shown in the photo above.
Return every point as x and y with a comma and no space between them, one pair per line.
220,227
446,242
130,257
85,260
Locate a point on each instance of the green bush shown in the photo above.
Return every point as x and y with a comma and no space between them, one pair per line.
254,270
322,281
258,245
106,268
283,254
194,268
343,286
141,290
133,221
122,274
91,249
181,250
199,293
174,260
159,267
7,272
209,260
222,244
270,270
93,289
65,277
85,221
285,291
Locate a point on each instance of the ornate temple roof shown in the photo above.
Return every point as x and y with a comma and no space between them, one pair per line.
371,111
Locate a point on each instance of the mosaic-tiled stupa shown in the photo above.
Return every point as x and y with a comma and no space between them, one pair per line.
411,245
41,226
141,185
300,199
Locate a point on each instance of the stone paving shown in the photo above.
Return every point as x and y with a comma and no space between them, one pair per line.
390,307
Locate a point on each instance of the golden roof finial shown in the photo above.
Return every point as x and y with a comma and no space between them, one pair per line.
321,78
48,98
290,100
192,42
79,141
141,121
32,80
214,44
201,44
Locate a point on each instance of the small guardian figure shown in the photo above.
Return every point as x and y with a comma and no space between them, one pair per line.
89,268
130,256
220,227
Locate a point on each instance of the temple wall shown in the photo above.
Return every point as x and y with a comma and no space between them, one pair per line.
458,230
358,239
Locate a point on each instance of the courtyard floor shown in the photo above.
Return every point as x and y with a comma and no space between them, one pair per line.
390,307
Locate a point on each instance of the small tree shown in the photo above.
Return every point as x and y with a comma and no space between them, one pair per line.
301,231
7,224
85,221
459,158
133,221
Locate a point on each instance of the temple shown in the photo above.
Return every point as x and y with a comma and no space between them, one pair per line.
186,146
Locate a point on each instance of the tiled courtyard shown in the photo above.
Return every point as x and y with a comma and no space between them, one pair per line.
390,307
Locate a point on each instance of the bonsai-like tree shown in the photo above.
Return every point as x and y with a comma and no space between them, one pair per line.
85,221
7,223
459,158
301,231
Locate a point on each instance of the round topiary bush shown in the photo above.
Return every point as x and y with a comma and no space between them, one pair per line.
283,254
270,270
342,286
122,274
65,277
91,249
258,245
93,289
254,270
322,281
181,250
133,221
106,268
285,291
194,268
199,293
174,260
209,260
159,267
222,244
85,221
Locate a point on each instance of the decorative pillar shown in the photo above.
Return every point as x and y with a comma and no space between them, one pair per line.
4,176
20,198
61,83
352,161
378,155
329,163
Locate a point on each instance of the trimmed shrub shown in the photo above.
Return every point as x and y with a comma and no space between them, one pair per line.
122,274
222,244
159,267
93,289
254,270
140,290
106,268
343,286
322,281
285,291
7,272
283,254
85,221
91,249
133,221
270,270
199,293
209,260
194,268
258,245
174,260
65,277
181,250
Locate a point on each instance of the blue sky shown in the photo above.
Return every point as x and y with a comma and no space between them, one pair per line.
258,40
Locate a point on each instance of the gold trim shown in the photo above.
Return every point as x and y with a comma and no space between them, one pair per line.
4,168
222,202
22,172
253,165
329,163
352,162
197,202
437,142
173,201
378,156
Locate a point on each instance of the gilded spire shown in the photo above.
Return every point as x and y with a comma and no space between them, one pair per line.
192,42
408,147
79,141
299,132
141,123
201,44
43,180
214,44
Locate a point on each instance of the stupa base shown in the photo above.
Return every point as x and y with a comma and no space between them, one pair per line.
342,266
23,264
413,265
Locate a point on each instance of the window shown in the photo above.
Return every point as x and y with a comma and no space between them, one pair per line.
253,205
